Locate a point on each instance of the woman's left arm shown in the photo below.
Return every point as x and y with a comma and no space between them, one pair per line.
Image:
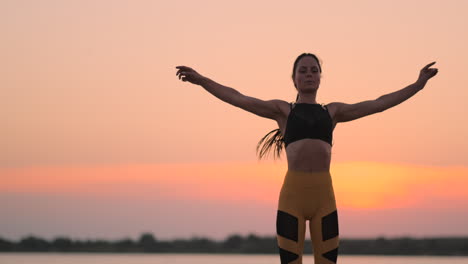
348,112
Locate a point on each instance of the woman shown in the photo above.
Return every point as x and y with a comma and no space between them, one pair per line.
305,129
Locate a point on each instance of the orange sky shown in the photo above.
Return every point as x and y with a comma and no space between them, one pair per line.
358,185
241,196
88,90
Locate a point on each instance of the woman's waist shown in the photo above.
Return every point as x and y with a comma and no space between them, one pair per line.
309,164
308,179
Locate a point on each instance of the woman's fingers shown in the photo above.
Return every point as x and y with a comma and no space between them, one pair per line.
179,72
181,69
186,77
183,76
184,68
427,72
185,73
429,65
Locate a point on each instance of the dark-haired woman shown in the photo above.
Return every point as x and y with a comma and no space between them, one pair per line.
306,132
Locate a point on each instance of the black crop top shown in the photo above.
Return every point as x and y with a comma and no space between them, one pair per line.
308,121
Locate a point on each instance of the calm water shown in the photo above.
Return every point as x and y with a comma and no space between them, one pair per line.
98,258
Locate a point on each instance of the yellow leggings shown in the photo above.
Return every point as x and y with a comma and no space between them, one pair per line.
307,196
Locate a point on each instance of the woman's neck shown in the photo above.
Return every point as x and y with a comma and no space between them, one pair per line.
307,98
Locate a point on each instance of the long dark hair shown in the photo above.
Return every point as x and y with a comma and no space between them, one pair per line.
274,138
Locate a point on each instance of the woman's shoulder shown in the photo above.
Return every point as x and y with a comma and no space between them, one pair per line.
284,106
332,109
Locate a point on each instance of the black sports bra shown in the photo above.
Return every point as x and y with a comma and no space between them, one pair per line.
308,121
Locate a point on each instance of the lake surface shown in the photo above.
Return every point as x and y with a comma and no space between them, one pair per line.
100,258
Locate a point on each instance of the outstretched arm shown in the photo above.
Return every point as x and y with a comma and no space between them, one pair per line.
268,109
348,112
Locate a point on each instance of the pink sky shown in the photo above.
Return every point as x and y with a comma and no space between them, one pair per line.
94,118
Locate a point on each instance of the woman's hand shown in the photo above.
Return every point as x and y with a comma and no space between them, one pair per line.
188,74
427,73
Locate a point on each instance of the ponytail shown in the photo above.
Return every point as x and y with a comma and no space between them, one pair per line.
276,140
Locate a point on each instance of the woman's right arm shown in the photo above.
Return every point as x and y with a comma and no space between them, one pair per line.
268,109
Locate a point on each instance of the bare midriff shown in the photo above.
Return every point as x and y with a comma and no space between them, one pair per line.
310,155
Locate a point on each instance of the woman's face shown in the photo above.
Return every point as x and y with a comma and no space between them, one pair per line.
307,76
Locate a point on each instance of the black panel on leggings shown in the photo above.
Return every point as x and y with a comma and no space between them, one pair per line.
330,226
287,256
287,225
331,255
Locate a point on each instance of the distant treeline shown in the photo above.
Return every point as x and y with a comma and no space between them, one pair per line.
251,244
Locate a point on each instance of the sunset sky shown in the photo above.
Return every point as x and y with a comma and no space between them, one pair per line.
99,139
